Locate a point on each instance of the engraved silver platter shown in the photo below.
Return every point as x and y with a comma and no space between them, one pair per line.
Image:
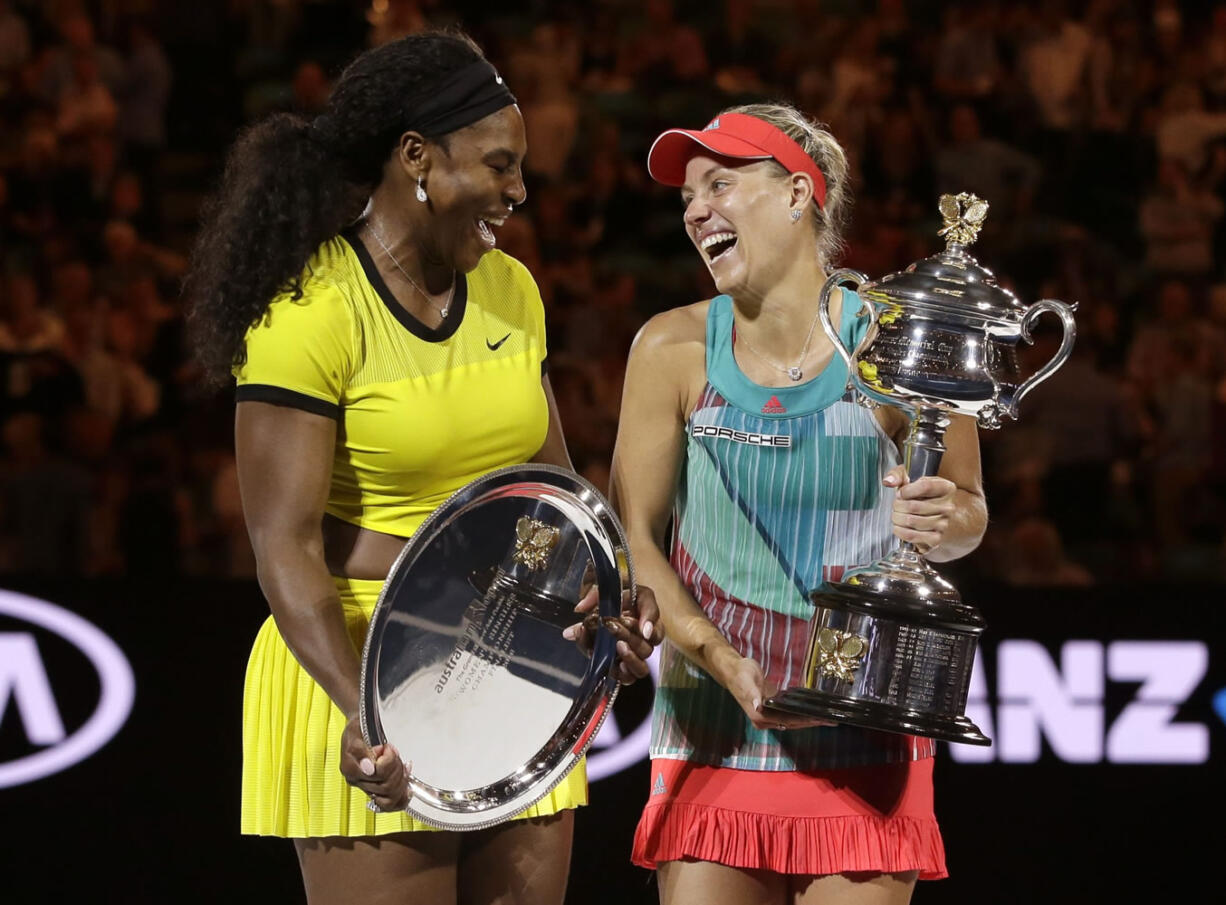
465,669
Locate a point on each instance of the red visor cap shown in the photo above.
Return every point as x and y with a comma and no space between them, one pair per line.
735,135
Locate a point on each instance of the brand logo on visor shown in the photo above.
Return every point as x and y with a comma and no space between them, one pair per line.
713,124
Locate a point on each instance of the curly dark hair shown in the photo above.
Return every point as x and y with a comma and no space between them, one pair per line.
290,183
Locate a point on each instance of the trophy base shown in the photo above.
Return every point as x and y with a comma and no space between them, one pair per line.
870,715
891,647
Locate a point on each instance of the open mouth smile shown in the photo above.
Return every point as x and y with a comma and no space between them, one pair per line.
717,245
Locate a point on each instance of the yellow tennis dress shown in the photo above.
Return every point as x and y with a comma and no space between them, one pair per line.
420,412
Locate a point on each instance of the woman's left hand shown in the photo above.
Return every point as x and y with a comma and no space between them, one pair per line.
922,508
637,631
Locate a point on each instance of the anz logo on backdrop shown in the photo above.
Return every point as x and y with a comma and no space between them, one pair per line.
33,704
1038,699
1042,701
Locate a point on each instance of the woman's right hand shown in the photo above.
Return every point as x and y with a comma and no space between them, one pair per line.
749,685
377,771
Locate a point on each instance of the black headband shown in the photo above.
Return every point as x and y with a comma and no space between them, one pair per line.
463,97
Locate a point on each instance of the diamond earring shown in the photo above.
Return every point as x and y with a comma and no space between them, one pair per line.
795,216
421,192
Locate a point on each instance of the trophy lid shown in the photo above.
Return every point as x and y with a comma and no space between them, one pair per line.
951,280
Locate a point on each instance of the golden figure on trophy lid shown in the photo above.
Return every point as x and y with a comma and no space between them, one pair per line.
964,214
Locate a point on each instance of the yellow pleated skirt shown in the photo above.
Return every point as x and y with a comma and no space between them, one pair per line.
292,783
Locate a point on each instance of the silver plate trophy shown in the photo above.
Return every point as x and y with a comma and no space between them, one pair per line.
465,669
892,643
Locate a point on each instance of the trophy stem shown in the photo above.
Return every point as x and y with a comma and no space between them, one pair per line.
925,443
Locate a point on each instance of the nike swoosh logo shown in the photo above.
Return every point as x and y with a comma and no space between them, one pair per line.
494,346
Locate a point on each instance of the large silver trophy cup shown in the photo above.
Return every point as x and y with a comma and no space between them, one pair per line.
465,669
892,643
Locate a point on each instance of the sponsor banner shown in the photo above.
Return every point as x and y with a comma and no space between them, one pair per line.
44,742
120,734
1050,706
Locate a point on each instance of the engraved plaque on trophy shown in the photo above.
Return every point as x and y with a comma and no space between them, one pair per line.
892,643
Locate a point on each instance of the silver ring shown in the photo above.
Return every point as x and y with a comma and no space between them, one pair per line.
372,805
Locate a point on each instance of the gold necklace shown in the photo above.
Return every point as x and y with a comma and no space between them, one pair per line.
446,305
794,372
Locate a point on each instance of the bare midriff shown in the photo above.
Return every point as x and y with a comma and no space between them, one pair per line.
354,552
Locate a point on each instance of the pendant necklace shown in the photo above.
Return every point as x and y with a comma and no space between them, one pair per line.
430,301
794,372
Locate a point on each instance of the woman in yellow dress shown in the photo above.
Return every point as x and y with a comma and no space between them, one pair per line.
385,354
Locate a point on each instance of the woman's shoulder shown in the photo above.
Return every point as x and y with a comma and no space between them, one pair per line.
322,300
500,269
677,327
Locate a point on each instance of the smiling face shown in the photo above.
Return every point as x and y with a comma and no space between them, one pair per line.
737,214
472,184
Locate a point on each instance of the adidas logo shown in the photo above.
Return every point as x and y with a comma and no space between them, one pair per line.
773,407
658,787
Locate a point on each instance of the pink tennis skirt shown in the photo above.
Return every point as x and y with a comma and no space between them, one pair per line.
875,819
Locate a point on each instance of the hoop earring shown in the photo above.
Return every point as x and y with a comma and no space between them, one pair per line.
421,192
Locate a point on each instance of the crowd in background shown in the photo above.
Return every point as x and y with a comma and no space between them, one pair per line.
1096,130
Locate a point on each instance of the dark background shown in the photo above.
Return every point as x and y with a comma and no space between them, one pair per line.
1096,129
153,817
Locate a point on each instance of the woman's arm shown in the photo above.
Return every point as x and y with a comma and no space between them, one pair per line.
284,459
634,635
553,451
647,462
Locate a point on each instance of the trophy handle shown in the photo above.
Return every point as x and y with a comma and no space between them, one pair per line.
1065,313
823,311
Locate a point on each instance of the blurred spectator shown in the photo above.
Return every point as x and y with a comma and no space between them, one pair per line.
1004,175
14,39
1183,403
129,258
1097,130
968,66
545,72
1089,428
1033,556
1122,73
1214,50
1185,128
1174,320
141,394
143,98
1054,67
85,104
78,43
666,53
25,325
394,19
1177,220
101,376
44,502
310,88
740,46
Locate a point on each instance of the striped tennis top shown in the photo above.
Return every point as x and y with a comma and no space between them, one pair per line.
780,490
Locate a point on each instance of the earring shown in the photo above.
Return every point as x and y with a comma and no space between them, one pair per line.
421,192
795,216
